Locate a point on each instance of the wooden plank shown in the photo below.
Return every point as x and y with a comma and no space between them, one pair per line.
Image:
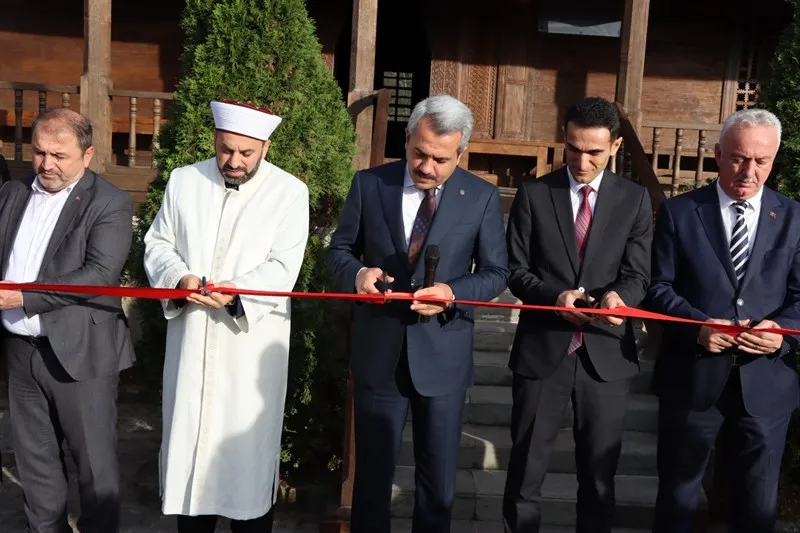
380,127
631,68
362,77
639,162
96,78
142,94
682,125
541,161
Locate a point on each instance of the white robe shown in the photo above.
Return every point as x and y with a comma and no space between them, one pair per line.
224,378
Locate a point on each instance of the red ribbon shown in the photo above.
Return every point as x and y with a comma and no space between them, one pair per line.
169,294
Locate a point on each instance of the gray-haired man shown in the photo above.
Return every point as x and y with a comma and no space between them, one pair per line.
392,212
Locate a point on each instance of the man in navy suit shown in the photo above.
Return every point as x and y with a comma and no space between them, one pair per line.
392,213
727,253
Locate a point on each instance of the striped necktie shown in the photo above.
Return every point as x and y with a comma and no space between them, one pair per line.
739,241
583,222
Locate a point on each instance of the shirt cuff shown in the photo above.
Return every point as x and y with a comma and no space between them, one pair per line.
235,308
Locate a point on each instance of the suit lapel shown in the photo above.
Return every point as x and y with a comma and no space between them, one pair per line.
391,198
12,223
711,219
603,210
562,204
74,205
766,231
455,199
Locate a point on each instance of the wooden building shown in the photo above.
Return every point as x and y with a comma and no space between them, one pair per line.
677,66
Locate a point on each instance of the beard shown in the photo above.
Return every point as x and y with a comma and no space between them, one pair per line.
238,180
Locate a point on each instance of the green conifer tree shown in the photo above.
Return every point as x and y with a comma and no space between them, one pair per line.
266,51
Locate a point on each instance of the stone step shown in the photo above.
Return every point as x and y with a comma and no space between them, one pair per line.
489,448
479,497
403,525
491,368
491,406
500,314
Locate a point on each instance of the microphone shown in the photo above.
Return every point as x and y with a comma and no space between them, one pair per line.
431,262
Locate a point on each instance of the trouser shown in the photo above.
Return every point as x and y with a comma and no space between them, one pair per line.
207,524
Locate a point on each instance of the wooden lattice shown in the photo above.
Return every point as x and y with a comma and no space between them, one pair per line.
481,93
748,83
444,77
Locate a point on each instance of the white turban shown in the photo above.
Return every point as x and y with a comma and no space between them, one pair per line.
244,118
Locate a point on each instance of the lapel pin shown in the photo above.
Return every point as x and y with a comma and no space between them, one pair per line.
461,192
77,198
772,214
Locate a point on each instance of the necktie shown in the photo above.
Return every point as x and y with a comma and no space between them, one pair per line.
583,222
421,225
739,241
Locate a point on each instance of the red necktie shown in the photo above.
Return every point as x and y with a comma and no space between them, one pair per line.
582,224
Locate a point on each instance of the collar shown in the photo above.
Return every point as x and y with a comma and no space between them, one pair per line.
408,182
574,186
37,187
726,201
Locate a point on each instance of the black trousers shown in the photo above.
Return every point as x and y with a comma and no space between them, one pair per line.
207,524
536,419
48,408
752,457
380,415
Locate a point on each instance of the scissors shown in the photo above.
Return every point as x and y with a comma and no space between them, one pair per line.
203,283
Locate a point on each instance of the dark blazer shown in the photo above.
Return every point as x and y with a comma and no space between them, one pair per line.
467,227
5,174
89,246
543,259
693,278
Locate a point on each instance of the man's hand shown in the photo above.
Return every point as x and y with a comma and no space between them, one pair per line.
366,279
214,300
760,343
714,340
439,290
10,299
611,300
222,299
567,299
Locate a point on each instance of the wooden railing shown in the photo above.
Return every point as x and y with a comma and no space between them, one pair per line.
48,96
134,100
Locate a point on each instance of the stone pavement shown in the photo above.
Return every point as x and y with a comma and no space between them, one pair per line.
139,440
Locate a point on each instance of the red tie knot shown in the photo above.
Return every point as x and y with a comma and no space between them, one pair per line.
586,191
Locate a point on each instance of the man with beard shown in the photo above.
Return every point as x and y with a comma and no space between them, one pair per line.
238,221
727,253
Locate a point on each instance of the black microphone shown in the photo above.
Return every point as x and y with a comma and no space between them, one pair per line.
431,262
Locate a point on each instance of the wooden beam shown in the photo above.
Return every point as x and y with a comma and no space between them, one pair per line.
632,54
362,74
96,78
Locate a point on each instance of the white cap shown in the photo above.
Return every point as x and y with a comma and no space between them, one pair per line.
244,118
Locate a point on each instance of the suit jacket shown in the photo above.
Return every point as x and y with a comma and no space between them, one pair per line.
543,259
467,227
89,246
5,174
693,278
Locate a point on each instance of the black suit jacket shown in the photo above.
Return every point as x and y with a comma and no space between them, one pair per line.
5,174
693,277
89,246
467,227
543,260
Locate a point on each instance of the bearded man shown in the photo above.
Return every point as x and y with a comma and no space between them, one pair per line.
237,221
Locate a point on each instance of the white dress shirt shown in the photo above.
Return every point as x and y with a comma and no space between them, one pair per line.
576,196
35,230
729,215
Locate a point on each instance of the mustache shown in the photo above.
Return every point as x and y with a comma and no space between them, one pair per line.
228,167
745,179
421,174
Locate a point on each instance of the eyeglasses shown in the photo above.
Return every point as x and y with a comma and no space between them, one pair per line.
249,105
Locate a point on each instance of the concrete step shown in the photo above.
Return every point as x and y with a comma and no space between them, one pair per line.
489,448
491,368
479,497
500,314
403,525
494,336
491,406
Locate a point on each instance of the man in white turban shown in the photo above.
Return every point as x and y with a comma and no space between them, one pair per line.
235,220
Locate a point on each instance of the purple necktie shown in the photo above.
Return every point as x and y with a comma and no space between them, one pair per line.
421,225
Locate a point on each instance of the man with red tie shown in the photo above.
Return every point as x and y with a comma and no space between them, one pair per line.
579,236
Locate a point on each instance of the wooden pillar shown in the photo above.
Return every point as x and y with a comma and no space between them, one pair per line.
96,78
632,53
362,74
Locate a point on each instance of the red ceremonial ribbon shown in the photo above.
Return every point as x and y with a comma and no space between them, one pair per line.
170,294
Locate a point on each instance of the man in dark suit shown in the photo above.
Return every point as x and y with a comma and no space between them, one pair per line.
5,174
578,236
65,225
723,254
398,359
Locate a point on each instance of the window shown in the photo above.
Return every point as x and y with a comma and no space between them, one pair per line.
748,83
399,85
